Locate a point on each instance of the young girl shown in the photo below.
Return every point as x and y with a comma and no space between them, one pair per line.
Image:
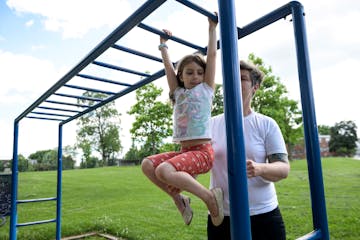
192,91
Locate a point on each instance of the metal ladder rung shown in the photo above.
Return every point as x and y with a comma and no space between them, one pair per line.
36,222
36,200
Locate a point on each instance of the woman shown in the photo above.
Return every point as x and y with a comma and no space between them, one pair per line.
266,163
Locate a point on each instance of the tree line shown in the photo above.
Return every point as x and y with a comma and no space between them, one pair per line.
99,131
43,160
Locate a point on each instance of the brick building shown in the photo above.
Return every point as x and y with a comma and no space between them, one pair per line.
298,152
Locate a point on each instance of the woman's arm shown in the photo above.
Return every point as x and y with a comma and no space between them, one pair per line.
276,169
209,77
169,67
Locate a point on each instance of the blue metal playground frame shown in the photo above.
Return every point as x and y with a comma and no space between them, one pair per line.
229,35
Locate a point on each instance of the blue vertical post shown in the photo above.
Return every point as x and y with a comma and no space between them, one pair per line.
14,183
59,185
310,125
239,205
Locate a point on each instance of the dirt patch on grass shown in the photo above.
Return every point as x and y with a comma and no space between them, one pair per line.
93,236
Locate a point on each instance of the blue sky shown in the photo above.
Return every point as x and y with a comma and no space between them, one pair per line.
42,40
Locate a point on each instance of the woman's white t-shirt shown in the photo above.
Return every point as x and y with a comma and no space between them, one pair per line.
262,138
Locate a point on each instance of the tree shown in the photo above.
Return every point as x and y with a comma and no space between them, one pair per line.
67,162
218,103
271,100
153,120
99,130
133,153
324,130
69,156
87,161
90,162
23,164
46,160
343,138
170,147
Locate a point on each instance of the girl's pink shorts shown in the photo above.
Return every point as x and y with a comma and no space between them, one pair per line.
193,160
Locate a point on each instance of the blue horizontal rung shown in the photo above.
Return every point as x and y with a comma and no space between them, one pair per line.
69,104
264,21
51,114
102,64
199,9
58,109
89,89
103,80
43,118
35,223
36,200
79,97
176,39
132,51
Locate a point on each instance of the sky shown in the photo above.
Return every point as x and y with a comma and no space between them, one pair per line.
42,40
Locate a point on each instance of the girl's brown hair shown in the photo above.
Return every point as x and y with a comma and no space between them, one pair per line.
197,58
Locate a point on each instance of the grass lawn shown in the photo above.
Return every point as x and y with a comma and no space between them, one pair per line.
122,202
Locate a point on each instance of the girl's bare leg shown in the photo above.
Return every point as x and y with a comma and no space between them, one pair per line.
149,171
167,174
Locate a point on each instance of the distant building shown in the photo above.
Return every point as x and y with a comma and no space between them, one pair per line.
324,145
299,152
33,161
357,154
6,164
123,162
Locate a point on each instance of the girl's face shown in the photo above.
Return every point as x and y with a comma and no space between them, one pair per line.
192,75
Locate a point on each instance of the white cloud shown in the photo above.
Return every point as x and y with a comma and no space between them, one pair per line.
19,72
25,78
29,23
335,90
74,18
37,47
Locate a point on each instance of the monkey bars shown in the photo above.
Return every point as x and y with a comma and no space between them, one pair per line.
57,104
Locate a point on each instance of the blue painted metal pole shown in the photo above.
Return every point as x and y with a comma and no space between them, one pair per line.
310,125
14,183
239,205
59,186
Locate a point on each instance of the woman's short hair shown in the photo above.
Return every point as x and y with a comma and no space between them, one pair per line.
256,74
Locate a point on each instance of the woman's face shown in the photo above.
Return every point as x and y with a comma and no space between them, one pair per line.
248,90
192,75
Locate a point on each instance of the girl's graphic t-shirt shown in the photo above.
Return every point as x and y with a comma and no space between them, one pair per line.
192,113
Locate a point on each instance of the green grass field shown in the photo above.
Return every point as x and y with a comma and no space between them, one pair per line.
122,202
